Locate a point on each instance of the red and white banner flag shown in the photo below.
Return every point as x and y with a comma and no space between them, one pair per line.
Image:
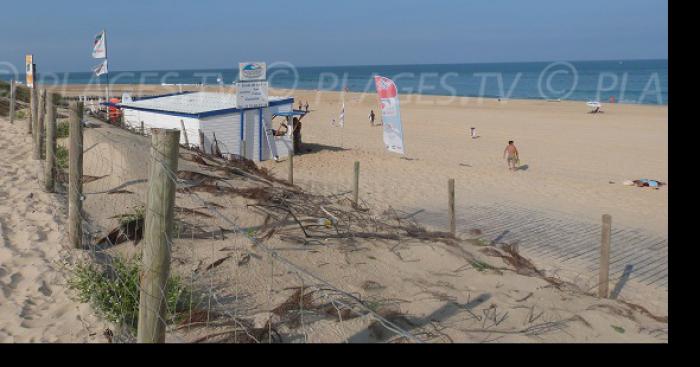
391,115
99,47
101,68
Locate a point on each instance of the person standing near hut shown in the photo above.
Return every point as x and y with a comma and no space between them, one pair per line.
306,106
296,133
371,117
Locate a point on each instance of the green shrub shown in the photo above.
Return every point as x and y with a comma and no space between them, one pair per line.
480,265
136,216
61,157
114,291
62,129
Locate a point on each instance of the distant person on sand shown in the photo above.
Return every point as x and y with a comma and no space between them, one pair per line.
306,106
473,132
371,117
300,106
511,154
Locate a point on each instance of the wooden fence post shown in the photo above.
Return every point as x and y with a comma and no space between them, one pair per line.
451,206
36,116
143,131
75,175
50,162
32,110
12,101
184,133
356,184
158,235
40,125
244,149
215,151
603,277
290,168
201,142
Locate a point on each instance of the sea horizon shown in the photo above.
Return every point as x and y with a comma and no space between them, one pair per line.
636,81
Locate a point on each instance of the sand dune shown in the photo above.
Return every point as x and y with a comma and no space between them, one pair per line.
552,207
35,304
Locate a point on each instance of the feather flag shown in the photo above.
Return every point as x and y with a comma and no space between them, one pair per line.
99,47
101,68
391,115
341,119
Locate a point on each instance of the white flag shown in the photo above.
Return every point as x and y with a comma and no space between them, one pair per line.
99,47
341,120
101,68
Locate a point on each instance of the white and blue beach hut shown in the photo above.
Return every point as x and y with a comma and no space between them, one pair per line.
206,116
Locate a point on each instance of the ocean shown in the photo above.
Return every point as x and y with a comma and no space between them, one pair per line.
625,81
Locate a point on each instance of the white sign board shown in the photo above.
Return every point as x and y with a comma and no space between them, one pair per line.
251,95
29,69
252,71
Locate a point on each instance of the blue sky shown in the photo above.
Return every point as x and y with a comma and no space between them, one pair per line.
162,34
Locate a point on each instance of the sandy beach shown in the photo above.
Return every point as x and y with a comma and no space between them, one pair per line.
571,158
35,302
573,165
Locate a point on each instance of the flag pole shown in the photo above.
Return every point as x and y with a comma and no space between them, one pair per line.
342,127
107,61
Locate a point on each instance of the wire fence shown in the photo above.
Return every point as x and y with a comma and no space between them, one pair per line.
230,279
251,258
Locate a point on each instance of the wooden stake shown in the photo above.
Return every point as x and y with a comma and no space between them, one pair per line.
158,235
356,184
603,277
290,177
36,118
75,175
33,102
451,206
12,101
143,131
243,148
201,142
41,124
184,133
215,148
50,163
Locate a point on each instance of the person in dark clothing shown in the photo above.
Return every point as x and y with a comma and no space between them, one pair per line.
296,133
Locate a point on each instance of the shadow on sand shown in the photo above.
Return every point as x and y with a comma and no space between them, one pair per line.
311,148
629,268
377,333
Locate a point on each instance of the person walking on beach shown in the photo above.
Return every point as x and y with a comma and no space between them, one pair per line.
371,117
306,106
299,105
473,132
512,156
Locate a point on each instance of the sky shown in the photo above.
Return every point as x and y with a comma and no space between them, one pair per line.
173,34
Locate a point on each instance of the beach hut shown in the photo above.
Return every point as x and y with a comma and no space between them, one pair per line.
209,120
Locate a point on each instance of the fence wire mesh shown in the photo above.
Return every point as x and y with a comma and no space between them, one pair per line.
254,259
232,279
